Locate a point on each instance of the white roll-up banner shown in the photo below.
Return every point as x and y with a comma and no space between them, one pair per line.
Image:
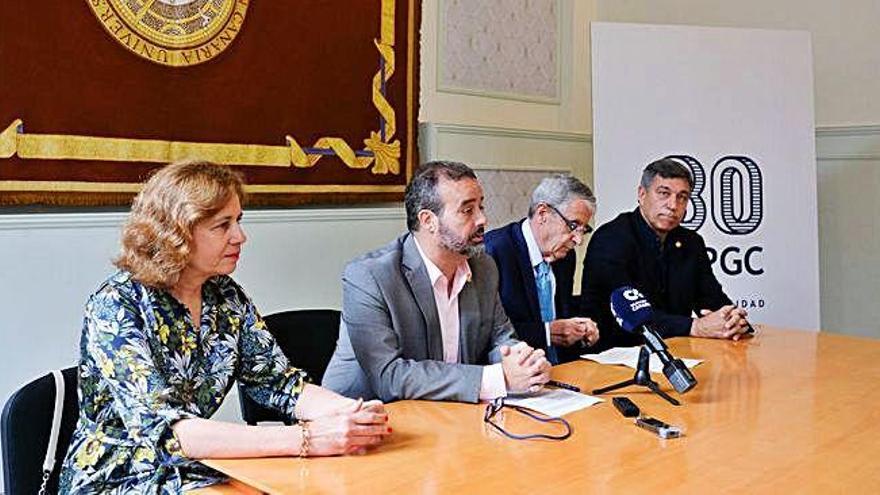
736,107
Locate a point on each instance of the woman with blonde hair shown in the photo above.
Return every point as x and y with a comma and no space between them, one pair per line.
166,336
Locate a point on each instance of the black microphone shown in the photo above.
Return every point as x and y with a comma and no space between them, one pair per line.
633,312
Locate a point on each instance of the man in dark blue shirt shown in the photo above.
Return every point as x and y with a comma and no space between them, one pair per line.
648,248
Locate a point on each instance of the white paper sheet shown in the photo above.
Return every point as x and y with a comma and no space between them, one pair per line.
554,401
629,356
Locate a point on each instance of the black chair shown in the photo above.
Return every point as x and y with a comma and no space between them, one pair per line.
26,423
308,338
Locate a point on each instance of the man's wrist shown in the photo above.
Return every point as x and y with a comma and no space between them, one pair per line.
696,327
493,383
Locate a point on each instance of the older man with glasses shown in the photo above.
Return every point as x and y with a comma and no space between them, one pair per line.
536,264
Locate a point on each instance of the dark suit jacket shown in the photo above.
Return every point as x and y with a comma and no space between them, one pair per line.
390,345
519,292
676,279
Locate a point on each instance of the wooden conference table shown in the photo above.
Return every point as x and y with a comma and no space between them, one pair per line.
786,411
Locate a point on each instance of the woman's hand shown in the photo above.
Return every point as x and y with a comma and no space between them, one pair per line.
349,431
316,402
374,405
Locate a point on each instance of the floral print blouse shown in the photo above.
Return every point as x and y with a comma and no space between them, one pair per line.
144,365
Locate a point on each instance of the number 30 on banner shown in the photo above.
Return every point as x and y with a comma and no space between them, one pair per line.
735,192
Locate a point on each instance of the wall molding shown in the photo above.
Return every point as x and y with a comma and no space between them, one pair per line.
547,169
508,132
29,221
822,132
833,143
848,130
854,142
848,143
487,147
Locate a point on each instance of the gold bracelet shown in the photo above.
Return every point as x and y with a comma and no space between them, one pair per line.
306,439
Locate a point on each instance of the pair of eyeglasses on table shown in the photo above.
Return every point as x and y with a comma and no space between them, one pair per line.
497,405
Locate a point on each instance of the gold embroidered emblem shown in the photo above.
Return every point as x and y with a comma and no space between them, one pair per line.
172,32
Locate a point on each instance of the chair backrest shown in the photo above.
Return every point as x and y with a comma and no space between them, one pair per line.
26,423
308,338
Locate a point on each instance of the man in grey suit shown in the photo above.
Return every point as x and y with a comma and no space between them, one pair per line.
421,317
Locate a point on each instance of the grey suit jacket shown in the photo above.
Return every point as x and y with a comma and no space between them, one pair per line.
390,345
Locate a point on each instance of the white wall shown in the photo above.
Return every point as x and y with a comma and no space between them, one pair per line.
849,228
52,262
569,114
845,39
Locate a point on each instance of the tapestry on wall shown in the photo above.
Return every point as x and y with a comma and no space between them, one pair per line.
314,101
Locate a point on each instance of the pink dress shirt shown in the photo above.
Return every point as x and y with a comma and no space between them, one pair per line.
446,299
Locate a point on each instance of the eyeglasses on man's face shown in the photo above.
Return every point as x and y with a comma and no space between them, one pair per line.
573,226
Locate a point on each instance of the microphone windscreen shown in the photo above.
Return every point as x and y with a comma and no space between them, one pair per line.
630,308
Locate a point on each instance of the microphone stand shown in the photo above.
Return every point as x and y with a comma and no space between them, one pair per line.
642,378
